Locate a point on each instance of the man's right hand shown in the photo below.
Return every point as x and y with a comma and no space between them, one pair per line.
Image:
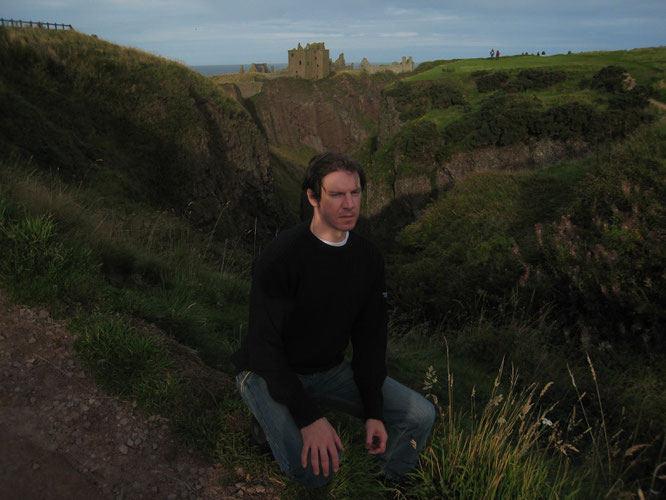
321,441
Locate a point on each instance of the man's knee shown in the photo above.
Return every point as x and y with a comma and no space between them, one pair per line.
307,478
422,415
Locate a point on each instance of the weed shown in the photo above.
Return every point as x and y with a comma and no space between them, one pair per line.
502,453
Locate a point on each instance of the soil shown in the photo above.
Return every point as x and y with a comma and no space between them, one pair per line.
61,437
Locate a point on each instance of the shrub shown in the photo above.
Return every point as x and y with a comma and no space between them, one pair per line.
413,100
603,262
490,81
502,120
418,140
535,79
610,79
573,121
629,101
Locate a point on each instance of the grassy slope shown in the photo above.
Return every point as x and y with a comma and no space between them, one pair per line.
131,126
647,66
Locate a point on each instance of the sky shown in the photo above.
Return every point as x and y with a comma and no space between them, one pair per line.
203,32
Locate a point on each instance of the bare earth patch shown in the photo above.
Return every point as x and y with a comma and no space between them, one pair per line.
61,437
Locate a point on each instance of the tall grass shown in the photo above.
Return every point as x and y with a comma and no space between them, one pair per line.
505,452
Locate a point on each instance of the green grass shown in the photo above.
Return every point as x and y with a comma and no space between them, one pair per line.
646,64
288,175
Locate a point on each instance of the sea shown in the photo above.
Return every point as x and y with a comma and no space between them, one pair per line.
217,69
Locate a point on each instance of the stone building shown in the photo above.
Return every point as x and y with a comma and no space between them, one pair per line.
406,65
311,62
341,65
259,68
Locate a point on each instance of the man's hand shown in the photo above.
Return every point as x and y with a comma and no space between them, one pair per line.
321,441
375,436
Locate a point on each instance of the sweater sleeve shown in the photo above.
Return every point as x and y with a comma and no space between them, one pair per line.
271,300
369,339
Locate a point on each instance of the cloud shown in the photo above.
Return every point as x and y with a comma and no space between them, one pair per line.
399,34
400,12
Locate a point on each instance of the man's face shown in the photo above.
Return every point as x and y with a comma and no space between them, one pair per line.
340,203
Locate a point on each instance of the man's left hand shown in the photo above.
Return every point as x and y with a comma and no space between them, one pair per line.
375,436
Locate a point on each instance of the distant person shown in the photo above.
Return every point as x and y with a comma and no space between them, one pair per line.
315,288
492,53
497,54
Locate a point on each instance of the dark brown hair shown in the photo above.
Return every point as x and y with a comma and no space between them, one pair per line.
323,164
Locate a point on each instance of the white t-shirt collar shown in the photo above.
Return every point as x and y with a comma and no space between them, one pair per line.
335,243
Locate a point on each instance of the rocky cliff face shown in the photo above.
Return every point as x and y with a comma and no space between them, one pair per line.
230,168
415,190
336,114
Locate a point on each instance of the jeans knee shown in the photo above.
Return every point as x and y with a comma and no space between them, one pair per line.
431,413
424,417
307,478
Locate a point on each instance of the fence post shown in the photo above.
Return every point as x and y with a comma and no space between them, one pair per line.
20,23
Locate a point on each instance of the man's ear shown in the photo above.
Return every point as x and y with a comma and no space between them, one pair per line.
311,198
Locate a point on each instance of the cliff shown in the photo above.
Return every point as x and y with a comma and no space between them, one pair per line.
337,114
413,191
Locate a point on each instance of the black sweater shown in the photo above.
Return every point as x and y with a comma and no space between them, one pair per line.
308,299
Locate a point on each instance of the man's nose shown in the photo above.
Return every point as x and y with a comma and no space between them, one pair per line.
348,201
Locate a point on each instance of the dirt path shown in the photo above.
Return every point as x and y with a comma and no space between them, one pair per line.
659,104
62,438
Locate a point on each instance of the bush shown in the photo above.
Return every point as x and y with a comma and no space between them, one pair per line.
490,81
603,262
609,79
629,101
573,121
418,140
535,79
502,120
413,100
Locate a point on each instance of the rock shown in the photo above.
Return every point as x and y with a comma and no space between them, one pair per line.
123,449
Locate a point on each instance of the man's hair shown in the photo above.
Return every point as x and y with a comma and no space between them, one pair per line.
322,165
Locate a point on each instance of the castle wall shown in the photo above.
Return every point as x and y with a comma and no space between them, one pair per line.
311,62
406,65
259,68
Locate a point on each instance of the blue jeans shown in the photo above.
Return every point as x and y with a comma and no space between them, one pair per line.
408,418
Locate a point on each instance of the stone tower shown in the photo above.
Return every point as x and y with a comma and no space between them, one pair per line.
311,62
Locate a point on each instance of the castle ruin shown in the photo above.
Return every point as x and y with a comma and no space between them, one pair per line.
406,65
341,65
260,68
311,62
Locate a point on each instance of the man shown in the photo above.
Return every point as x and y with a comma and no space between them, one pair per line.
315,288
